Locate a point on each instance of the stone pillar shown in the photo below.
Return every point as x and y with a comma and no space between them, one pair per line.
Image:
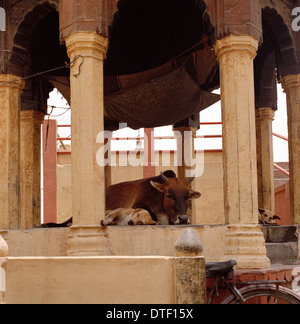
149,169
186,161
87,52
291,86
10,103
265,163
245,240
185,151
190,278
30,167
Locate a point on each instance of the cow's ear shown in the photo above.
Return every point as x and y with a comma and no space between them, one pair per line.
194,194
157,186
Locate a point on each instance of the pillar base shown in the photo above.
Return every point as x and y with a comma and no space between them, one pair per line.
88,240
246,245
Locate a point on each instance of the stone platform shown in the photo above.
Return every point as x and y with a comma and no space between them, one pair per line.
282,243
122,241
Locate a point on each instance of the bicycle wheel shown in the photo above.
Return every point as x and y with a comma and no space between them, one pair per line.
265,294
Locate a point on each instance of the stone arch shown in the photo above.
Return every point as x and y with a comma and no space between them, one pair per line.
281,40
149,16
265,81
116,5
19,61
36,48
276,57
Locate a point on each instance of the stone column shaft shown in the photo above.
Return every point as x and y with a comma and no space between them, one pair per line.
186,161
10,102
265,163
30,167
185,151
236,54
245,241
87,52
291,86
149,168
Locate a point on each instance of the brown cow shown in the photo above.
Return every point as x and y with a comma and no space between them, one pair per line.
165,197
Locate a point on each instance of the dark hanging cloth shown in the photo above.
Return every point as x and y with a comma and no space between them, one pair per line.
161,96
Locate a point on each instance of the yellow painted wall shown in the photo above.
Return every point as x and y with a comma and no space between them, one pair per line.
209,208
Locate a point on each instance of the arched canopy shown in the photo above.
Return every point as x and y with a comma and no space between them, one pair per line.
155,47
35,49
279,36
277,57
146,34
20,58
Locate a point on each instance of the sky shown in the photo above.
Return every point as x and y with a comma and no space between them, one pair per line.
211,114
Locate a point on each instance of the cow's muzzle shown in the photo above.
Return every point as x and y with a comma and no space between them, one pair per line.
183,219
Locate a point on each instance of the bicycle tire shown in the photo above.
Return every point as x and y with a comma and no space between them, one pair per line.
254,294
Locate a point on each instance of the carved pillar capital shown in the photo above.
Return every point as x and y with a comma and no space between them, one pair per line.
32,115
84,43
265,113
236,44
290,81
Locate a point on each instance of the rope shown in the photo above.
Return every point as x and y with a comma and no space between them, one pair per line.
67,65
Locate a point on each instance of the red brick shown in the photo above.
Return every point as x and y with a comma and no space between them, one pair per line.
246,277
263,276
288,276
281,275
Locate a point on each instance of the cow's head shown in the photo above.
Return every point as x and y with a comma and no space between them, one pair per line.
176,198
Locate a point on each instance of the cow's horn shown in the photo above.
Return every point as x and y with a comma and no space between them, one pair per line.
190,180
164,178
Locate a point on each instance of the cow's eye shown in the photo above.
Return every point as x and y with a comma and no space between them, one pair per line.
189,203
